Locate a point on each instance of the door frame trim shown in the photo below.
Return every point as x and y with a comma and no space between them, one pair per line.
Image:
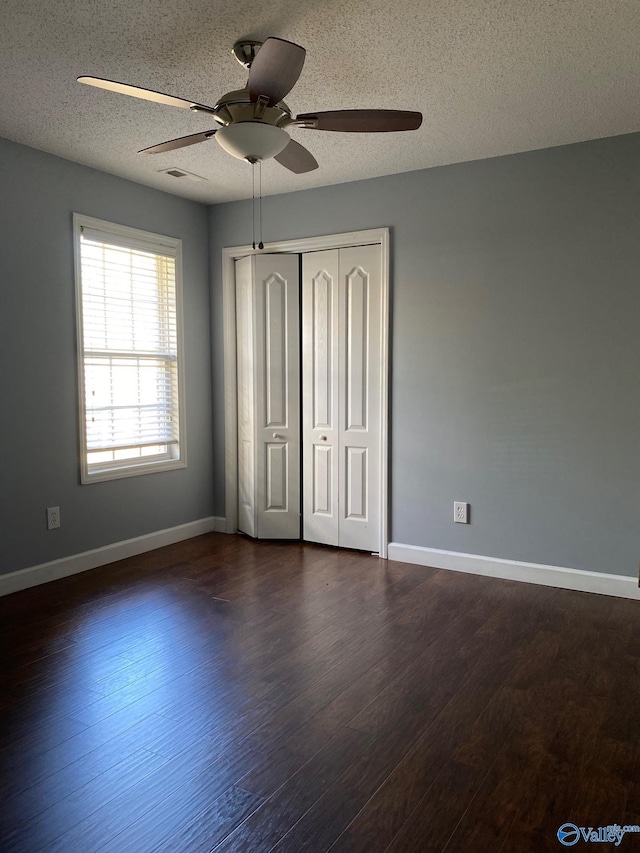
375,236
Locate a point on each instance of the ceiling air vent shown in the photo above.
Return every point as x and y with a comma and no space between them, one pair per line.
180,173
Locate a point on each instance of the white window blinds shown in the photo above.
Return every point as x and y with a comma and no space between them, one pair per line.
130,350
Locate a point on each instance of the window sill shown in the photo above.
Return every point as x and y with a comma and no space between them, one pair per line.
100,476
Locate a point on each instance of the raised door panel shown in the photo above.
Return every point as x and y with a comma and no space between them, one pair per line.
323,497
275,351
320,396
356,486
276,477
357,348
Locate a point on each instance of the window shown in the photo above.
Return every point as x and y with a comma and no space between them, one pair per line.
129,351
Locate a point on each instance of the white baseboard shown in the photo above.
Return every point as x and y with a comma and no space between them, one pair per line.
494,567
45,572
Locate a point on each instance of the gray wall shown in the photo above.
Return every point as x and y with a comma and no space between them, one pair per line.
515,352
38,422
515,346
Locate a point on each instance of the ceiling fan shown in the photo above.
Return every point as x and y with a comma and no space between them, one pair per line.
252,122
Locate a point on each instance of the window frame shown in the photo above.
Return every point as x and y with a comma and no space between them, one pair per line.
149,242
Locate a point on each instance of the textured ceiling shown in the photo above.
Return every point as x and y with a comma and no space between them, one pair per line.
491,77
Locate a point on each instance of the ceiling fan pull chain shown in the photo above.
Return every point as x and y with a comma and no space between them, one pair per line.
260,244
253,203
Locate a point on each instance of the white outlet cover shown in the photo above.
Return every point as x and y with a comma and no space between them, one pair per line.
53,517
461,512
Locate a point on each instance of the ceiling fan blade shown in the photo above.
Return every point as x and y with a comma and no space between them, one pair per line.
145,94
361,121
296,158
275,70
181,142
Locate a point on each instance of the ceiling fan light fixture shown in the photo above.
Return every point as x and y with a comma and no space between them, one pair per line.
252,140
251,120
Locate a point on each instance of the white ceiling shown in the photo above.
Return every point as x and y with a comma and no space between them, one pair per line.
490,76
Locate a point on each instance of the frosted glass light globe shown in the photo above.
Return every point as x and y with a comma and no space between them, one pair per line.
252,140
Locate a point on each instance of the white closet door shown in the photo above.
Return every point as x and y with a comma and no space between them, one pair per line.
320,396
359,337
269,379
341,344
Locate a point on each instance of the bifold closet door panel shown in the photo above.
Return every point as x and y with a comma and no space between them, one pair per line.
320,409
341,343
360,341
273,381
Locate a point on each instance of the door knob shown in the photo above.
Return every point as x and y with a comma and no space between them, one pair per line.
323,438
277,435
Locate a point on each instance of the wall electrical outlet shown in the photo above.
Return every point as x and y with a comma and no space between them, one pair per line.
53,517
461,512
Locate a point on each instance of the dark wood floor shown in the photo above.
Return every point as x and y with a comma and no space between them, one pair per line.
238,696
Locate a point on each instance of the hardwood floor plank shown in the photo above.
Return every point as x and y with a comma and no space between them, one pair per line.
29,803
212,824
507,785
39,832
168,789
134,726
452,801
383,792
238,695
289,756
481,798
30,737
444,646
337,692
262,829
603,770
534,828
195,817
